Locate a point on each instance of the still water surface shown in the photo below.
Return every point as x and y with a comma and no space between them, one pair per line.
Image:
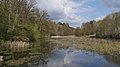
72,57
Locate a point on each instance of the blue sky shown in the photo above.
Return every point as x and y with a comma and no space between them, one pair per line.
76,12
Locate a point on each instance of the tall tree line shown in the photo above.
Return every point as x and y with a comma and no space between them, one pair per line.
20,20
52,28
109,27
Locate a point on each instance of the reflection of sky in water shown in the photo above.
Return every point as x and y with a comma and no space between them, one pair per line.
73,58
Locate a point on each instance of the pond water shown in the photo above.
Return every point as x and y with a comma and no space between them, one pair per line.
77,58
59,57
72,57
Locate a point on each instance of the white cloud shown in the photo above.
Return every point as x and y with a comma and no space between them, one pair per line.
99,18
65,10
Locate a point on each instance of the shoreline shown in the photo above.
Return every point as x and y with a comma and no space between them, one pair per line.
102,46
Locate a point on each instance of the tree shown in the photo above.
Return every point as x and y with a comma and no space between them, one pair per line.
78,31
88,28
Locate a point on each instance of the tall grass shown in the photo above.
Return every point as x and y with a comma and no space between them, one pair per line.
103,46
14,46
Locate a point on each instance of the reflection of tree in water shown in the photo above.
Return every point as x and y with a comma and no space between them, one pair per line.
113,59
32,58
42,59
39,60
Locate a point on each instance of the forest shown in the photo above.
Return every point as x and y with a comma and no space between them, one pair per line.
28,23
109,27
21,20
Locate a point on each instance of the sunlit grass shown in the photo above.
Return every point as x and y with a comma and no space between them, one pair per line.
102,46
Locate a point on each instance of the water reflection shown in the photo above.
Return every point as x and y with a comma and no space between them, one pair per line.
58,57
32,57
77,58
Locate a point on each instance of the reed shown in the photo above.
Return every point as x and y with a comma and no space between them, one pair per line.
15,46
102,46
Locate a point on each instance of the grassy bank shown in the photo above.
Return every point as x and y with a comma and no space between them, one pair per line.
38,53
102,46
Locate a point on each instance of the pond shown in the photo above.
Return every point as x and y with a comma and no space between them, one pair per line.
78,58
60,57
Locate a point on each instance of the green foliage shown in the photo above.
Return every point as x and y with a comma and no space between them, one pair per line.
34,29
19,20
